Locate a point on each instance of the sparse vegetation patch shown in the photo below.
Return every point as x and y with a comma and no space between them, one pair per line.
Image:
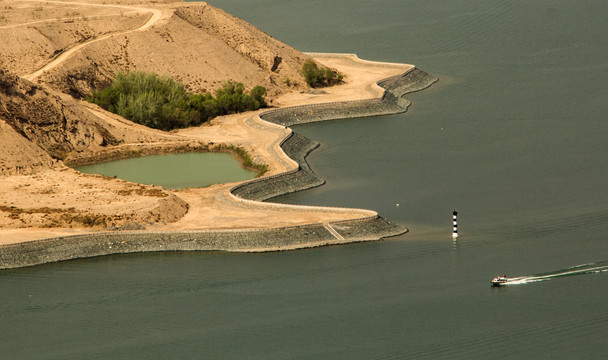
162,103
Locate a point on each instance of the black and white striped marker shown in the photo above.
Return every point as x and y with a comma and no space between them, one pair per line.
455,232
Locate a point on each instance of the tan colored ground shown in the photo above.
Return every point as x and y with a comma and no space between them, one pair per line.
34,206
360,80
66,198
75,46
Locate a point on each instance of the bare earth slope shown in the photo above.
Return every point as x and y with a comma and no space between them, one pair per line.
33,32
20,156
213,47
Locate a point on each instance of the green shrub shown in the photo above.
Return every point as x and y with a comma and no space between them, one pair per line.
163,103
320,77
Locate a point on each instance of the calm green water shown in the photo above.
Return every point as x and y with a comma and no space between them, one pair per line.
513,136
174,171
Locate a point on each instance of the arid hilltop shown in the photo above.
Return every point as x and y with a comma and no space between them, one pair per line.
196,43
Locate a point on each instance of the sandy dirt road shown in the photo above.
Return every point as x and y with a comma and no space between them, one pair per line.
155,17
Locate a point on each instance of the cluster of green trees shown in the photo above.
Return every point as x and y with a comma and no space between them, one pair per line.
163,103
320,77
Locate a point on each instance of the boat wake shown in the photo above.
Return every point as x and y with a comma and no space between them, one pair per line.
590,268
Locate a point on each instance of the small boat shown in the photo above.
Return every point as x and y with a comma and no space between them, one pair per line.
499,280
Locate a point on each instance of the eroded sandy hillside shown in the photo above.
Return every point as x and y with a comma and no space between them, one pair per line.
213,46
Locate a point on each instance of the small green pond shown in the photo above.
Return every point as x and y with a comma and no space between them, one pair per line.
174,171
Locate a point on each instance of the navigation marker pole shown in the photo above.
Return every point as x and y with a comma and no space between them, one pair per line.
455,232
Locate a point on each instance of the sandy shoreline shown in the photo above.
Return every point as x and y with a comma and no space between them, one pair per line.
59,208
214,208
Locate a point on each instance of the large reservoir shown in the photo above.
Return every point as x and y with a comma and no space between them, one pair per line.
513,136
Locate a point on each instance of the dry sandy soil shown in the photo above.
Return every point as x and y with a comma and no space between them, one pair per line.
40,197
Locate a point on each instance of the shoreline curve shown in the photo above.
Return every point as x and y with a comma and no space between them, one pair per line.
297,147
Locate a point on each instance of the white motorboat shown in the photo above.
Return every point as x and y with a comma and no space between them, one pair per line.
499,280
